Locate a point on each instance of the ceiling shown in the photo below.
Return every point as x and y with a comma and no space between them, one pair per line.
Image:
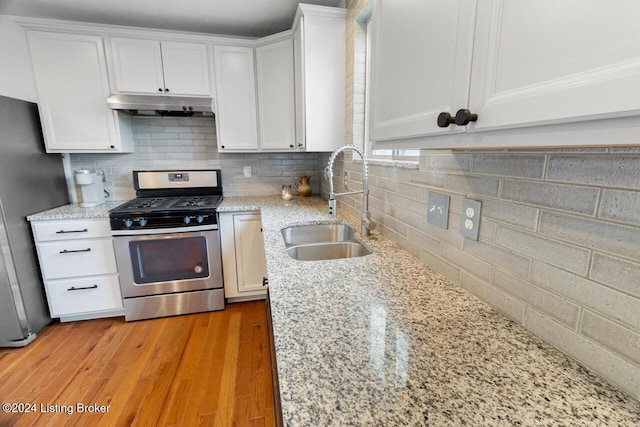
249,18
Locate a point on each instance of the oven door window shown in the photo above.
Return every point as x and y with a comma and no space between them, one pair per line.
163,260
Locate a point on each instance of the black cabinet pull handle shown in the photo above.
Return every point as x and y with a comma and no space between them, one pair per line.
84,230
166,90
464,117
265,281
159,89
445,119
75,251
73,288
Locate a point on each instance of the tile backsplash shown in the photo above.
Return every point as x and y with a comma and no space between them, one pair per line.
559,245
190,143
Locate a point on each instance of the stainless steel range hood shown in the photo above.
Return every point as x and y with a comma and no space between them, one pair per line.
164,105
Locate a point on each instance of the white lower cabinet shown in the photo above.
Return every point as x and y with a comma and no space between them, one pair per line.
243,258
79,269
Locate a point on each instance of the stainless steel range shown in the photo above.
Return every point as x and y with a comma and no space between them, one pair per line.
167,244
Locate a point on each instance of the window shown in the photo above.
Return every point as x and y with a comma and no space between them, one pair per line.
362,49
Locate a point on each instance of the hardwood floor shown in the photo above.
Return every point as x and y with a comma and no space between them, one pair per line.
207,369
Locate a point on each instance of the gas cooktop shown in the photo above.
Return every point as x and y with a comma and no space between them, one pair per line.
170,199
158,204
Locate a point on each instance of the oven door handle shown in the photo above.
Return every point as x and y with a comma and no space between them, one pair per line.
143,231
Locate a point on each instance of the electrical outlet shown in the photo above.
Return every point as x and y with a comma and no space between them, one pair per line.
470,218
346,179
101,174
438,209
247,171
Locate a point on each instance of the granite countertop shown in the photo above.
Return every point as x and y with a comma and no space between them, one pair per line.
75,211
383,340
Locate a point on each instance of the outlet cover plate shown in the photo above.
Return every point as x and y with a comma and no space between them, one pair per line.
470,218
438,209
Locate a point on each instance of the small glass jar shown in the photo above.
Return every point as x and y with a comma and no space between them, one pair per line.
287,192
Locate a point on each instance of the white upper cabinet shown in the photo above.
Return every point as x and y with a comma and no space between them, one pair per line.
163,67
421,65
515,65
236,112
276,105
319,64
548,61
72,84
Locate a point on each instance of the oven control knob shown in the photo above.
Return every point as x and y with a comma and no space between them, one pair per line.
198,269
128,223
199,218
142,222
187,219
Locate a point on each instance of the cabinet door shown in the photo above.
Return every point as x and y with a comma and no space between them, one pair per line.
250,258
298,61
320,62
420,65
552,61
186,68
236,115
274,65
72,85
137,65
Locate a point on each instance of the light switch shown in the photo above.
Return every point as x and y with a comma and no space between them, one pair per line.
438,209
247,171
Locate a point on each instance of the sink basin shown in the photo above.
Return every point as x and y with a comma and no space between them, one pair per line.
317,233
319,242
326,251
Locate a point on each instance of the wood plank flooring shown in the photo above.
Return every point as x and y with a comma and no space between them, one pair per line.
207,369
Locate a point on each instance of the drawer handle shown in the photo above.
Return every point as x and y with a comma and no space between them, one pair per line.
265,281
73,288
84,230
75,251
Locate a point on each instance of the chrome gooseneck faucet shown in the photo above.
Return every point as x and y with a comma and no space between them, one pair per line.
366,223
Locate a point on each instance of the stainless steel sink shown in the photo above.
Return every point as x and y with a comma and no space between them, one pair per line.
325,251
322,242
317,233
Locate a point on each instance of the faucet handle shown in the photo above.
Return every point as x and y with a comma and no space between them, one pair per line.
371,224
367,224
333,211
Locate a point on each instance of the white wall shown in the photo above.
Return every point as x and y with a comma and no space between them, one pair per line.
16,77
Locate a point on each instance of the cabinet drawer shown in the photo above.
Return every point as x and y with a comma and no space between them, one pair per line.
77,258
67,230
84,295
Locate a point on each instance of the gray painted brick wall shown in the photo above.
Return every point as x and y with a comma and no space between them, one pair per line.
190,143
559,246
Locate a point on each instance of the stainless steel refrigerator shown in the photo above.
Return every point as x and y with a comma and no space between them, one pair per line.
31,181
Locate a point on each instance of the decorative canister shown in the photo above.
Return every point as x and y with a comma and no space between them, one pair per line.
302,186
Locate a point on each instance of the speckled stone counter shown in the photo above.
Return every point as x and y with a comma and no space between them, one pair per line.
382,340
75,211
